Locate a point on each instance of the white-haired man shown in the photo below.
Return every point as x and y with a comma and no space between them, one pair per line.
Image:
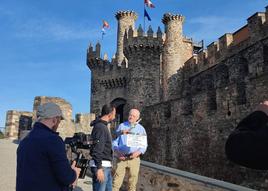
127,153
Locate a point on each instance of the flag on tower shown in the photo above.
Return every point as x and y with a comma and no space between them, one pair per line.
105,25
147,15
149,3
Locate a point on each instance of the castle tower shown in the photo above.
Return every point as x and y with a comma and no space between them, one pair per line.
143,54
176,50
125,19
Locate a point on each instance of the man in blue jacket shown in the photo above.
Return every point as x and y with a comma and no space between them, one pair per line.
42,164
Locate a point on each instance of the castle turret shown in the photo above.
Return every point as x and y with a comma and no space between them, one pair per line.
98,50
143,52
176,49
91,54
126,19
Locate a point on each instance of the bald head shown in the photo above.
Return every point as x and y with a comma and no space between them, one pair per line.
133,116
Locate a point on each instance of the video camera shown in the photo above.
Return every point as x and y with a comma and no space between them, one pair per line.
79,141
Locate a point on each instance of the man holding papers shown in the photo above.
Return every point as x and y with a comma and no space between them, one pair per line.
128,146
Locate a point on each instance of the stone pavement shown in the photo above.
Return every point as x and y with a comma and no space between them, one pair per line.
8,168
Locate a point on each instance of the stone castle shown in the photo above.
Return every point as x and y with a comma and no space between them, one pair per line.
19,123
145,67
191,98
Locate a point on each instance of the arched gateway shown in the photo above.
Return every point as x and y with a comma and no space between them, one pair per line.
119,103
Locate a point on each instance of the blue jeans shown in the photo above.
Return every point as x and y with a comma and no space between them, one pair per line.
107,184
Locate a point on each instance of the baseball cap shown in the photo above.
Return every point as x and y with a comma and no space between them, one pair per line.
49,110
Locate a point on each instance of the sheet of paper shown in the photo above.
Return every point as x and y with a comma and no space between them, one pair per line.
136,140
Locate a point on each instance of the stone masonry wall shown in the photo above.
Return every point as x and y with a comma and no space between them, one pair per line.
195,141
153,177
19,124
16,122
143,54
82,122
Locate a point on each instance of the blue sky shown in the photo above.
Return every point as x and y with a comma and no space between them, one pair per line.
43,43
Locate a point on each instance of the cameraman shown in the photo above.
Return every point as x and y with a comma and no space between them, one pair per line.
248,143
101,150
42,163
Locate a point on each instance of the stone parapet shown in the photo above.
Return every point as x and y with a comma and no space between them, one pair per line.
142,42
232,43
157,177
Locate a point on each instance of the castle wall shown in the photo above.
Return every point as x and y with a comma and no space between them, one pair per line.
219,98
206,94
156,177
231,44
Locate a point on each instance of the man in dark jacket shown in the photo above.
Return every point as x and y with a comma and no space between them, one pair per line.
247,145
42,164
101,150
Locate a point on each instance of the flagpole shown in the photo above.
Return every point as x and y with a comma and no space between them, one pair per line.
143,17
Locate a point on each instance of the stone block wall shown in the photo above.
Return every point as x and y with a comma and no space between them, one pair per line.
82,122
19,123
195,141
16,122
154,177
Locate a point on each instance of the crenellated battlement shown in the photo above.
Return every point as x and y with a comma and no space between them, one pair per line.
231,43
101,65
138,40
171,17
121,14
91,53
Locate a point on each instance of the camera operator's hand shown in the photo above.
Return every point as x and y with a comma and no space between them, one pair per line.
100,175
77,172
